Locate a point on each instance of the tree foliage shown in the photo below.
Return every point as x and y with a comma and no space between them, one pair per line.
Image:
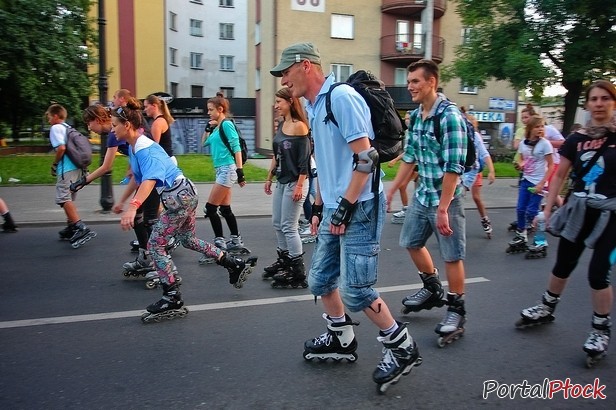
536,43
43,58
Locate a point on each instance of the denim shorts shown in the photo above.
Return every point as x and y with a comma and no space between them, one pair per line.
420,224
349,262
226,175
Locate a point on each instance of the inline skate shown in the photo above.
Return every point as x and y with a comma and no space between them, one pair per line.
81,235
598,340
238,268
152,278
9,224
141,266
428,297
235,246
134,246
306,235
221,244
398,217
169,307
487,226
451,328
400,355
337,343
518,244
278,266
540,314
537,251
293,275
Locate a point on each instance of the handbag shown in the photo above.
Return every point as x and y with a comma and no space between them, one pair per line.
559,218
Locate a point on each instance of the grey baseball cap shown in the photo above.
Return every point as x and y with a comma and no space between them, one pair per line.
295,53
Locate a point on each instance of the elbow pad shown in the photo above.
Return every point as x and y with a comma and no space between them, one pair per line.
366,161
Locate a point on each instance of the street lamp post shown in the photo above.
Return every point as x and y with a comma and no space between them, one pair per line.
106,199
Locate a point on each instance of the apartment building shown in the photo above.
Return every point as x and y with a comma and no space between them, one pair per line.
381,36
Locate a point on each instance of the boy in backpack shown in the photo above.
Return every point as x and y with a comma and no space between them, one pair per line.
66,172
345,259
437,205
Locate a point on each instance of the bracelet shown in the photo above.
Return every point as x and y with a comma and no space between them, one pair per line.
136,203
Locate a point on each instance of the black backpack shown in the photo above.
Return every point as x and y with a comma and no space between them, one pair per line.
387,124
471,153
78,148
225,140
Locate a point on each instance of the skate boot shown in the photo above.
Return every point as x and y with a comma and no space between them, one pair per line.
519,243
451,327
537,251
152,279
67,233
141,266
134,246
9,224
429,296
306,235
235,246
294,276
221,244
487,226
400,355
398,217
169,307
539,314
598,339
237,267
82,235
337,343
513,227
276,267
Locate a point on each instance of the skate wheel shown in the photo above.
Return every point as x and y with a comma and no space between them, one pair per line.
353,357
441,342
150,284
252,261
178,279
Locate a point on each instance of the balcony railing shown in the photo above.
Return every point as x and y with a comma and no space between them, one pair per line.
392,49
412,7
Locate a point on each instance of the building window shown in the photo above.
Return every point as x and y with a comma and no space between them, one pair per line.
226,63
196,91
403,32
195,28
226,31
342,71
172,21
173,89
342,26
227,91
400,76
173,53
196,61
466,89
225,3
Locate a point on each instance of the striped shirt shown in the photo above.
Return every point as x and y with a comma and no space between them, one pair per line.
434,159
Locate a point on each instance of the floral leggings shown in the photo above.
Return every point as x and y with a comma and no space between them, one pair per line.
178,222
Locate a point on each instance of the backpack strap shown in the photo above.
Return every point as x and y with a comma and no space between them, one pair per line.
328,104
224,138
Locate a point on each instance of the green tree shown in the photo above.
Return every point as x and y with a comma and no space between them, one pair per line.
536,43
43,58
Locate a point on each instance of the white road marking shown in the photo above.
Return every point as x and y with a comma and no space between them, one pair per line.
197,308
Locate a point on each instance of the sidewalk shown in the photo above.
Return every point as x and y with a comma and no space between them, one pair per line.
34,204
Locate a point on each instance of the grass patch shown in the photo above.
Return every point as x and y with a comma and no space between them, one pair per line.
35,169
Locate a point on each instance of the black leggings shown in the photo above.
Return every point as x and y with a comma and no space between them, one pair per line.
146,217
569,252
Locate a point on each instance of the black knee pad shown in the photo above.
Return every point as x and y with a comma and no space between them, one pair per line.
138,218
211,210
225,210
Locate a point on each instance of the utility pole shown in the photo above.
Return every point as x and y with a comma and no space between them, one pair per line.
106,199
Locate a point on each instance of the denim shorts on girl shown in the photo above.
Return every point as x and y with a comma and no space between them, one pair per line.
226,175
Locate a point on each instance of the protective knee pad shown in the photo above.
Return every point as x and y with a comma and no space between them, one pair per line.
211,210
225,210
138,219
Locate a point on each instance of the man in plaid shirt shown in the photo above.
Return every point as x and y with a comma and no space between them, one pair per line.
437,206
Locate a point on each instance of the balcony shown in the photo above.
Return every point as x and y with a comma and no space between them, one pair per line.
401,52
408,8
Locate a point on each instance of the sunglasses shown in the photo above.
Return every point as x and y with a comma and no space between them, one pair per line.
121,111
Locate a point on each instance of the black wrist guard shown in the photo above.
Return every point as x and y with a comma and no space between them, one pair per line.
240,175
77,185
344,212
317,210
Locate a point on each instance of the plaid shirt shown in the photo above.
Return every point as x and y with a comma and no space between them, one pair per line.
434,159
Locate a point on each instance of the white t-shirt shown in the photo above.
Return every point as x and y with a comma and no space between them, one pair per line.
534,164
552,134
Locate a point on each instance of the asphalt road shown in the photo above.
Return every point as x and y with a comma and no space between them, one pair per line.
71,336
